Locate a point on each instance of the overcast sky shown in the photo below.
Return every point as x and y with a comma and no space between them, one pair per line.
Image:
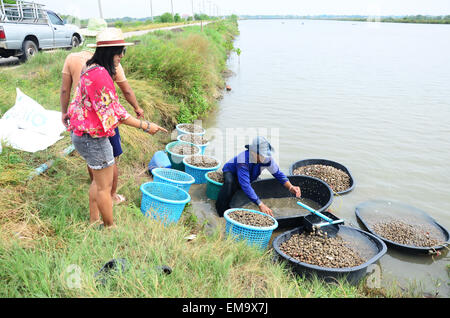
141,8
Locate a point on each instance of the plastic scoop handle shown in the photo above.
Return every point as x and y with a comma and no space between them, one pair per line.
315,212
326,223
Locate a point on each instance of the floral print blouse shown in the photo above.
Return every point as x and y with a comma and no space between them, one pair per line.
95,109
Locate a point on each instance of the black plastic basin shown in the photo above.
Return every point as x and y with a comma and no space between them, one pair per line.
312,188
374,249
308,162
379,209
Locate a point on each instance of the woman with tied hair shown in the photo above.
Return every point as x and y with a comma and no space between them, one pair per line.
94,114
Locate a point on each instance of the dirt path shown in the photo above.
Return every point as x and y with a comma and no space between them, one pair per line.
12,62
142,32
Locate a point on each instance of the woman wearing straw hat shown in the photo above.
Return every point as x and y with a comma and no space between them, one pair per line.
71,72
94,114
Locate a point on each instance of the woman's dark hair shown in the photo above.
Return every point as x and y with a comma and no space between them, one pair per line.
104,56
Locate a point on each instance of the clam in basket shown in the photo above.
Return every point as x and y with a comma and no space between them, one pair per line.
163,201
343,173
176,159
198,165
185,128
174,177
191,138
253,235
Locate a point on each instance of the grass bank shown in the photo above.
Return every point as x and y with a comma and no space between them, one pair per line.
48,248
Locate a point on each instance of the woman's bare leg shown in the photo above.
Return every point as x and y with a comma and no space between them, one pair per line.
103,183
115,182
93,207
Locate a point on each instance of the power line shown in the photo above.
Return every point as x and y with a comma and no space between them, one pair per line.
151,9
100,8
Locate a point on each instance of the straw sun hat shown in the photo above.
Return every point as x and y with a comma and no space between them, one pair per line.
110,37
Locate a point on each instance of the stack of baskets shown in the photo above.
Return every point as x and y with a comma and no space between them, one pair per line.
164,199
254,236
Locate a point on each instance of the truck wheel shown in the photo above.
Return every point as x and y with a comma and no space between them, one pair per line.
29,49
75,41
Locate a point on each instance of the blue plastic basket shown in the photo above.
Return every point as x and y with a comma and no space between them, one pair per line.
254,236
176,160
198,173
202,147
174,177
163,201
182,132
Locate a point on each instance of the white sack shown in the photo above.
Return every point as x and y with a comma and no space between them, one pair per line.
30,127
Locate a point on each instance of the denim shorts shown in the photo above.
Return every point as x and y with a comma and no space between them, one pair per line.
97,152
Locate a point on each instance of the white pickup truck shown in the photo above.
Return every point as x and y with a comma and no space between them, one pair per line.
26,28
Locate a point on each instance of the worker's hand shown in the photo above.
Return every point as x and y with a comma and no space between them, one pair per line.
154,128
296,191
65,119
265,209
139,112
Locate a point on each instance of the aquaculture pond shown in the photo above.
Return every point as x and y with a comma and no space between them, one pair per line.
372,96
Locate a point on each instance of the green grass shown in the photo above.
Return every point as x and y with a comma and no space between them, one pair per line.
46,243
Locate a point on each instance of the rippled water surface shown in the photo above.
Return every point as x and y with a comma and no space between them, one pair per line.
374,97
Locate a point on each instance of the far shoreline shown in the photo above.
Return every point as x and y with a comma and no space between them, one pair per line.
433,20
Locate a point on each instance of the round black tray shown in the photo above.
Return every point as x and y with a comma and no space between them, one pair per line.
324,162
312,188
352,274
403,247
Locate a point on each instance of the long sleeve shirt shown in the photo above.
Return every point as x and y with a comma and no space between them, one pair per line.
248,171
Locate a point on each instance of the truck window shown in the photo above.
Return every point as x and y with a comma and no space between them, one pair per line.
55,19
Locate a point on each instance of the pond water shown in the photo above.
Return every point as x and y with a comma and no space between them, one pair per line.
374,97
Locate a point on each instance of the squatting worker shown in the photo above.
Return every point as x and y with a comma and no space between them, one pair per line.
245,168
94,114
71,72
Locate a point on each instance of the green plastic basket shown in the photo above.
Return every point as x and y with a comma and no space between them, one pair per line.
176,160
212,187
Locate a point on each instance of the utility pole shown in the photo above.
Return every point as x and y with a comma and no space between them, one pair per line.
171,4
193,14
151,9
100,8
